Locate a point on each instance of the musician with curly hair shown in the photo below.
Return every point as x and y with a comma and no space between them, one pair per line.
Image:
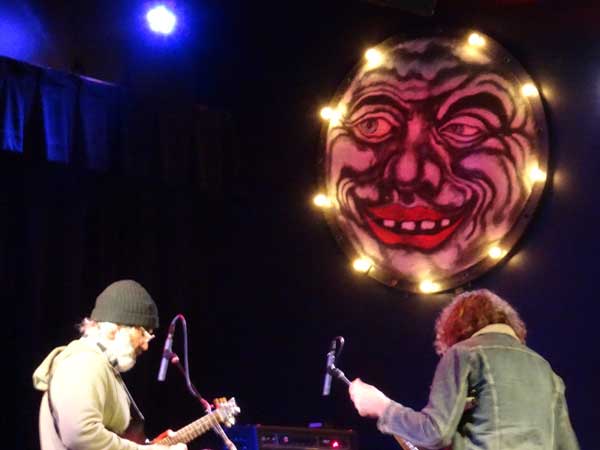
490,391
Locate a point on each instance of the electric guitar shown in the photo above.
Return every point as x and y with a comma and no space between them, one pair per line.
224,413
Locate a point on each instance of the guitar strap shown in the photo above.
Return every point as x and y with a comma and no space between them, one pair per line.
52,410
133,405
132,402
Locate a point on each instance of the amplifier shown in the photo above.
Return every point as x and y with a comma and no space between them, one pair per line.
270,437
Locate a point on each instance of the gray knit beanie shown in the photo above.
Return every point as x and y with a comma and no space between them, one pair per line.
126,302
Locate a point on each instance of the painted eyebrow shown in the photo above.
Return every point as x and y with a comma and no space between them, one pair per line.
377,99
485,101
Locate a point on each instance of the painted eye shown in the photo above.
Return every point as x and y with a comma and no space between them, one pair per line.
464,130
460,129
373,128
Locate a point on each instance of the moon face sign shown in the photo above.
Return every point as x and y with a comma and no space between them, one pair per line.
429,157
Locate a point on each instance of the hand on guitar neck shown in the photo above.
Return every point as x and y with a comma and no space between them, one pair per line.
178,446
225,413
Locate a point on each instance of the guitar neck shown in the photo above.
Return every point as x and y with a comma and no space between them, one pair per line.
193,430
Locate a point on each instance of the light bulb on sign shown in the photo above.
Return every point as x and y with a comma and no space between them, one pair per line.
322,201
529,90
362,264
327,113
374,58
429,287
496,252
536,174
334,115
476,40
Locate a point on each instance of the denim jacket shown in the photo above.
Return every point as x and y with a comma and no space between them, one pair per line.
518,400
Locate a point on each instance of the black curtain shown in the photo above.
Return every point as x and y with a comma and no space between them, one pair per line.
99,186
58,117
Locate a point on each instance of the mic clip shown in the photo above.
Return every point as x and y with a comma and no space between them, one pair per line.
332,355
337,373
170,355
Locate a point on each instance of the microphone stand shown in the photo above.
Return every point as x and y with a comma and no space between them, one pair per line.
207,407
337,373
174,359
330,368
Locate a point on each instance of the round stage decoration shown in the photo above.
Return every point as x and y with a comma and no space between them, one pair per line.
434,157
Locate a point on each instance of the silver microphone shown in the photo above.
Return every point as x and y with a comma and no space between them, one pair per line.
167,352
329,363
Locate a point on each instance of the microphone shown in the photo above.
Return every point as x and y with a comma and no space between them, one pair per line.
328,365
167,353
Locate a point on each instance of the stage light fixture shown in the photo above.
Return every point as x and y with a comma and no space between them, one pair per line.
161,20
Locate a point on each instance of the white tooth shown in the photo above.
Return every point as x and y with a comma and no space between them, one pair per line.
408,225
427,225
445,222
389,223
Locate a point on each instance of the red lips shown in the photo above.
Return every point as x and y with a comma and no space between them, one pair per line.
430,227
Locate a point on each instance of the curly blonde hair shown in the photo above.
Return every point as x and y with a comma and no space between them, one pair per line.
469,312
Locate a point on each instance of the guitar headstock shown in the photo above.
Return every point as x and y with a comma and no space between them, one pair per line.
226,410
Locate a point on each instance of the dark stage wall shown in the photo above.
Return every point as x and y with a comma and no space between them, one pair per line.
252,266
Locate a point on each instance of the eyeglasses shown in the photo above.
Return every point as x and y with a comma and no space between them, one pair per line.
148,335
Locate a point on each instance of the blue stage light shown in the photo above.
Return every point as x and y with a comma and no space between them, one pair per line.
161,20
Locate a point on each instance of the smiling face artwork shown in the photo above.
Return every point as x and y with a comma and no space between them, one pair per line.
428,161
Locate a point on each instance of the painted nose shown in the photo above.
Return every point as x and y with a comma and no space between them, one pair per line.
412,168
403,167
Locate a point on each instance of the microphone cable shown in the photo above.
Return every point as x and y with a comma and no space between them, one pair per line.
186,373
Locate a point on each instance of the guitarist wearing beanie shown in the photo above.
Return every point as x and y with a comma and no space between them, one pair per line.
86,405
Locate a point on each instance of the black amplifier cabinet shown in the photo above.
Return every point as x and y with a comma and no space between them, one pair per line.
270,437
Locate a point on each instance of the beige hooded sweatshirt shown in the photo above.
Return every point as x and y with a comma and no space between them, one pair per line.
88,397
